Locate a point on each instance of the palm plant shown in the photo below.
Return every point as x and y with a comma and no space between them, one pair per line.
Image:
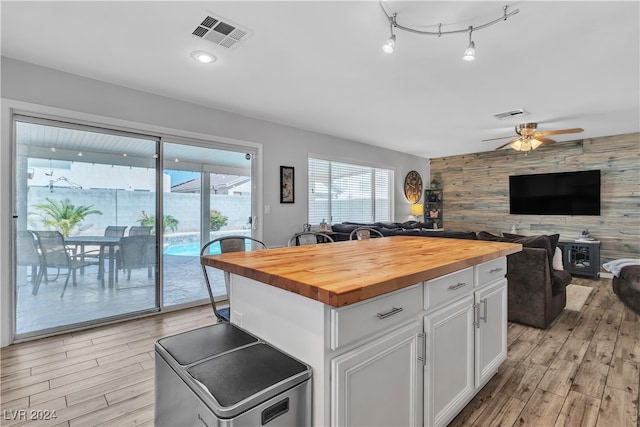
168,222
63,215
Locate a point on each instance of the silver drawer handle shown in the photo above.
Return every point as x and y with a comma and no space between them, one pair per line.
391,312
457,286
495,270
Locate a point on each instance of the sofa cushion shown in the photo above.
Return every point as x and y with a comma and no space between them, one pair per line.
548,242
344,227
553,239
485,235
469,235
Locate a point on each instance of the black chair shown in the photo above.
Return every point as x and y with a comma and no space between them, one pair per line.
309,238
136,252
55,254
27,255
227,244
364,233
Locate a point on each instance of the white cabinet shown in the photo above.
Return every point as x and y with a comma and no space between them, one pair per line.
466,338
491,330
449,362
378,384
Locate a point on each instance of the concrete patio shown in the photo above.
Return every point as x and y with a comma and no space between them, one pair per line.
89,300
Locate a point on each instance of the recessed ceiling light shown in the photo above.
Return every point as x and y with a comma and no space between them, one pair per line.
202,56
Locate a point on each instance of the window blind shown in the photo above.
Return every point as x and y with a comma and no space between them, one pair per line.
340,192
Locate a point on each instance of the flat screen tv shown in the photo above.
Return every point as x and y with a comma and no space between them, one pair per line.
562,193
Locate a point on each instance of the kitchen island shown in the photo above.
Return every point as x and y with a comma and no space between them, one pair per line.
400,330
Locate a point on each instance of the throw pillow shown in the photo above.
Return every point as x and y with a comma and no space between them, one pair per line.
557,260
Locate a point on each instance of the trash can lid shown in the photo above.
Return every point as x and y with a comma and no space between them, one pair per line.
192,346
246,377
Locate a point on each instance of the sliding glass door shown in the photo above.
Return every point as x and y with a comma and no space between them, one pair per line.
79,193
210,196
109,224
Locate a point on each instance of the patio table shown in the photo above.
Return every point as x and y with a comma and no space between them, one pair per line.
104,242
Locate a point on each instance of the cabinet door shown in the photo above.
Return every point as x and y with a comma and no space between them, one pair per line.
491,330
379,384
449,363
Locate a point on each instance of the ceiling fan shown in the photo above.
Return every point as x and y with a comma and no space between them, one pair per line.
529,139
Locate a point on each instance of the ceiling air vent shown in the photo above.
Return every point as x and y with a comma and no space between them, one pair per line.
513,113
221,31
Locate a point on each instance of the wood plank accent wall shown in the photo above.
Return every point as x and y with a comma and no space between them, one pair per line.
476,191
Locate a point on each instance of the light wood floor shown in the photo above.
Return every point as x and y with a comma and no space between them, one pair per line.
582,370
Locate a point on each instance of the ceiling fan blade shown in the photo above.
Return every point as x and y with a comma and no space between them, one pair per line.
545,141
558,132
493,139
508,143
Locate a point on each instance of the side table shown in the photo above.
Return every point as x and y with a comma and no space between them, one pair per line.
581,258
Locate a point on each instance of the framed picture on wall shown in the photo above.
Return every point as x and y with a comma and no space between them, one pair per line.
287,181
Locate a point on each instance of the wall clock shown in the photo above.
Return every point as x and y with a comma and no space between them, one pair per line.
413,187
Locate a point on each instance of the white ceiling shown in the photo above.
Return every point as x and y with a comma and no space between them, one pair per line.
318,65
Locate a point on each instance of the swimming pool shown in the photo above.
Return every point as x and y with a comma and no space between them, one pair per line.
187,249
193,249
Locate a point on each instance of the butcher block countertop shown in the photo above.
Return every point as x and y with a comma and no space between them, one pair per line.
344,273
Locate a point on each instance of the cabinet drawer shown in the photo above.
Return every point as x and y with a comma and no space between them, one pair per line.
349,324
490,271
447,288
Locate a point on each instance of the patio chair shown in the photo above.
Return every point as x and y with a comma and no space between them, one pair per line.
55,254
364,233
96,255
136,252
309,238
227,244
140,230
27,255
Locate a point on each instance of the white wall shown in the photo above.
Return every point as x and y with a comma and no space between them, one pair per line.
78,97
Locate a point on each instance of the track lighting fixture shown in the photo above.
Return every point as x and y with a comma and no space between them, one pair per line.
388,46
469,53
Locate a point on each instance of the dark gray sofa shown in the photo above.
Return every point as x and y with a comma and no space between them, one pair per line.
411,228
536,292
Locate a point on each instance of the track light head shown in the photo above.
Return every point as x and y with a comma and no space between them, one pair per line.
470,53
388,46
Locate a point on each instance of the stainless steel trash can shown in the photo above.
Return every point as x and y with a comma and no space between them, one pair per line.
221,375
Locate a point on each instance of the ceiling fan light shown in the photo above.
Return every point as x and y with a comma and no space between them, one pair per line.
517,145
535,143
470,53
388,46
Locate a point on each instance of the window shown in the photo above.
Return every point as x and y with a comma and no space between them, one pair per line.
341,192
